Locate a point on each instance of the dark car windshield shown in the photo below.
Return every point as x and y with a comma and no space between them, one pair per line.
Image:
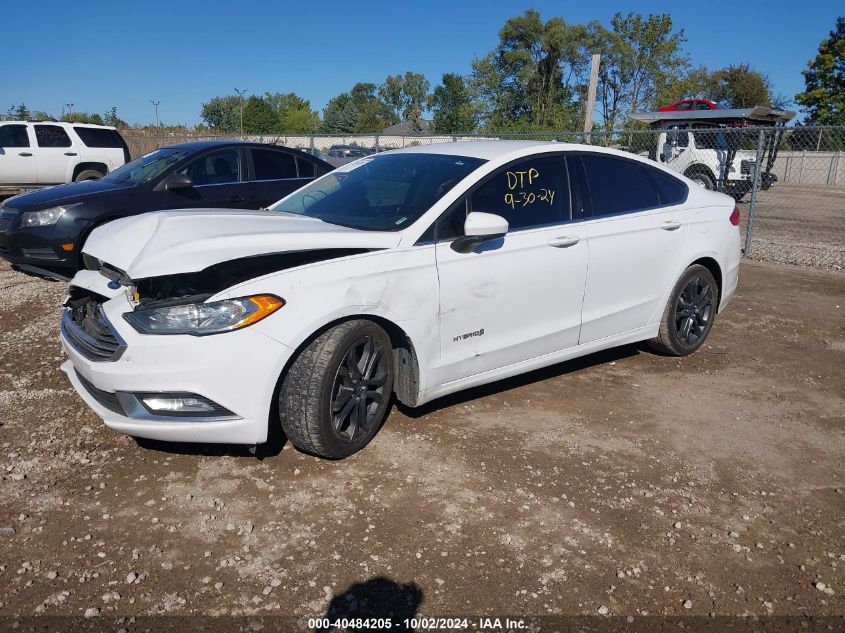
142,170
380,193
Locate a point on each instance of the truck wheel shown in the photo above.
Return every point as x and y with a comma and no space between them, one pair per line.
689,313
702,179
336,394
89,174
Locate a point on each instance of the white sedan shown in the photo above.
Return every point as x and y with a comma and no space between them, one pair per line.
414,273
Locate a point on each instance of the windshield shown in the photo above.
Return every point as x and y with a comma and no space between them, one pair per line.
379,193
142,170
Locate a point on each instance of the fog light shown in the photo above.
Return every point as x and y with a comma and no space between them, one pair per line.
181,404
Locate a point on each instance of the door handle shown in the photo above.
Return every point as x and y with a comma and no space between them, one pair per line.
236,198
565,241
670,225
24,153
70,153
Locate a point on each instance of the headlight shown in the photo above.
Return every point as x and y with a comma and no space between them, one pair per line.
200,319
45,217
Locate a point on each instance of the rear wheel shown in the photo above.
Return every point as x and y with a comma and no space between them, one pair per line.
336,394
689,313
702,179
89,174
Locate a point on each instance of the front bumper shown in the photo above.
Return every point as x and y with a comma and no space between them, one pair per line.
237,370
39,249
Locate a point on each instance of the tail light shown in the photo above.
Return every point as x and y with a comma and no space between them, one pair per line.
735,216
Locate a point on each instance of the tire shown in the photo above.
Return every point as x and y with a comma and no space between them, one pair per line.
703,179
325,407
689,313
88,174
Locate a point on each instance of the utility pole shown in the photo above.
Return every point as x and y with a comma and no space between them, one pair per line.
155,103
241,94
591,97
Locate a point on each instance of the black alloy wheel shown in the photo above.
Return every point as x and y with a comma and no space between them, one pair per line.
358,391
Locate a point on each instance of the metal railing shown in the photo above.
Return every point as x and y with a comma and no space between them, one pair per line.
789,183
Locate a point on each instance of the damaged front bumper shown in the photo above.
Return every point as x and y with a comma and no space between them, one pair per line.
237,386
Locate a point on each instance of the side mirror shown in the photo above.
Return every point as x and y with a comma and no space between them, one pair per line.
485,225
179,181
478,228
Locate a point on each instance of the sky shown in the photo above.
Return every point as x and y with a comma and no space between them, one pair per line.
181,53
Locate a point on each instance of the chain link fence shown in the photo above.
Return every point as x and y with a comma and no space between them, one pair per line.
789,183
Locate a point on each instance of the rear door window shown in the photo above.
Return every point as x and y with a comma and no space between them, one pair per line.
273,165
533,192
617,185
51,136
13,136
96,137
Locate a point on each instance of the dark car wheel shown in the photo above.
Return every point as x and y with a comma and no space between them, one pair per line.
689,313
336,394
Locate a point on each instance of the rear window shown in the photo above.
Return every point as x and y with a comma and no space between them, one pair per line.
96,137
51,136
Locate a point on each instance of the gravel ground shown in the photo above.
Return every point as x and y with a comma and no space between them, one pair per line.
800,225
623,483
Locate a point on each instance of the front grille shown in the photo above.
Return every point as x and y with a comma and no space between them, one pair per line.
106,398
5,223
86,328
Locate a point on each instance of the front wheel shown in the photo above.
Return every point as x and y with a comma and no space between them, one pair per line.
336,394
689,313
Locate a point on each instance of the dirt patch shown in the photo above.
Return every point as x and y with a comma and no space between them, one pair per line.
622,480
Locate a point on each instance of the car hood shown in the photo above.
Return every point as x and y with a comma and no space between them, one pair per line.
170,242
62,194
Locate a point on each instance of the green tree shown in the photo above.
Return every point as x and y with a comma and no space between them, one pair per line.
640,56
452,106
19,113
222,114
340,115
740,86
259,117
373,114
294,114
824,80
531,78
407,96
113,120
84,117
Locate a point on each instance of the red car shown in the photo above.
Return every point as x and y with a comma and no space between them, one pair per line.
690,104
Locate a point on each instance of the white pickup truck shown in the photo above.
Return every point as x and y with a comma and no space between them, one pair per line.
41,153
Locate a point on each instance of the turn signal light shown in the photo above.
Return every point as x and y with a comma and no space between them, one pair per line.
735,216
67,247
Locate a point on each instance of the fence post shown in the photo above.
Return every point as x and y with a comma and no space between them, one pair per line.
755,186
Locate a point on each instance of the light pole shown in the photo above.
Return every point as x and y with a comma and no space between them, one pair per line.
241,94
69,107
155,104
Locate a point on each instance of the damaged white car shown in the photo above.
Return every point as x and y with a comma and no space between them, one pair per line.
414,273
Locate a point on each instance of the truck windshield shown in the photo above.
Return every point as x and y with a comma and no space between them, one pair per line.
142,170
380,193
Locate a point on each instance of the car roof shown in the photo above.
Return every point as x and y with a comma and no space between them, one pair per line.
62,123
199,145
